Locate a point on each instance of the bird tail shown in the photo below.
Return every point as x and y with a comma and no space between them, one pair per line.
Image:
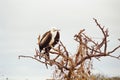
46,64
46,59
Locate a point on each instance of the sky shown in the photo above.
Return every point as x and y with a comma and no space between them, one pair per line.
21,21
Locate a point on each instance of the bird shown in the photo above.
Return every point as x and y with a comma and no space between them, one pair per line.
49,40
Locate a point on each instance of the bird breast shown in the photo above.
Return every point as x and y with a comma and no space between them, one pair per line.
53,37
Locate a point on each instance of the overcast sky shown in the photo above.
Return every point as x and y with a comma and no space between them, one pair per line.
21,21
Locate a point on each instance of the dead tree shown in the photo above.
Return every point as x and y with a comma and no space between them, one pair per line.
79,65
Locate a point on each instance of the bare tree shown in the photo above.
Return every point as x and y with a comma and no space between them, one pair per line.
79,65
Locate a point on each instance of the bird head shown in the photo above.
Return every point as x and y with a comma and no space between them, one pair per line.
54,29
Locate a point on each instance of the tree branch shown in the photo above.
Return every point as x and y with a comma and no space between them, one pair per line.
79,65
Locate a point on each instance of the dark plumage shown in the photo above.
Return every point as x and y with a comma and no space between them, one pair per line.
49,40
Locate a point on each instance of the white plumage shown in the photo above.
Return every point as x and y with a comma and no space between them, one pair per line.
49,40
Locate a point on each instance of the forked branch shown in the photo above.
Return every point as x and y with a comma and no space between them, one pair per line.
78,66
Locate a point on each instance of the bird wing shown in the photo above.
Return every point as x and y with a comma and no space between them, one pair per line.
58,36
45,39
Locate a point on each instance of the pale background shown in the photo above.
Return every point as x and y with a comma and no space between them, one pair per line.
21,21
